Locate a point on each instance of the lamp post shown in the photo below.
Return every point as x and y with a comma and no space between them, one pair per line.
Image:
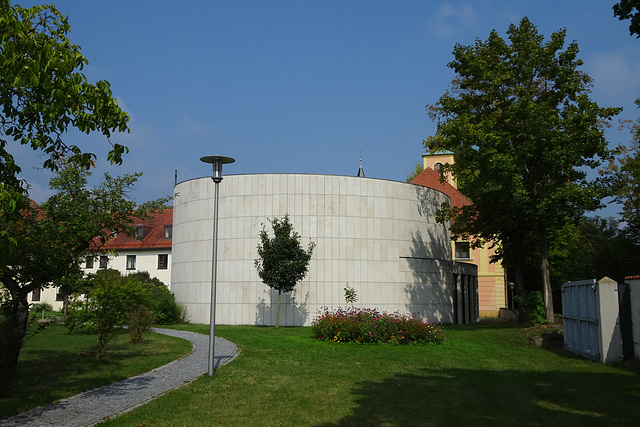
216,175
512,286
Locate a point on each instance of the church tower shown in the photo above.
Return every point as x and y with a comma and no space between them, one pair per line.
436,160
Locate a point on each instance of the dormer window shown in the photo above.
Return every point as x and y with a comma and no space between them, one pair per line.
168,232
141,232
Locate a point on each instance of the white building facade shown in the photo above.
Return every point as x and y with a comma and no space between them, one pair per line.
149,250
379,237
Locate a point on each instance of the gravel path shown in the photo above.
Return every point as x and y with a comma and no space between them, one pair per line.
93,406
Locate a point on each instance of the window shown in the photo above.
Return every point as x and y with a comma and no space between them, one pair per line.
463,250
437,166
168,231
88,262
131,262
35,295
163,261
139,233
59,296
104,261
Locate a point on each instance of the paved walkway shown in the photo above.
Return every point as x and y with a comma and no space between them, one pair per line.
93,406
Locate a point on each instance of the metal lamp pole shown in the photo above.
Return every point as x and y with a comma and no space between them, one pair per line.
216,161
512,286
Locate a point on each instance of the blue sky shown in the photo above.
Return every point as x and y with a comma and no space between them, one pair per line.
303,86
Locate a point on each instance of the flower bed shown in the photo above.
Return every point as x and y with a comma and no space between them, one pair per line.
364,325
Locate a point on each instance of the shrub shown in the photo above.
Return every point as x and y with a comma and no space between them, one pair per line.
161,303
350,295
533,305
42,306
363,325
139,321
107,306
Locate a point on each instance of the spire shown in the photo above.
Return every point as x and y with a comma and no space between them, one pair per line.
360,171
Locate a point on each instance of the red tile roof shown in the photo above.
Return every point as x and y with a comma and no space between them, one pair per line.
154,236
430,178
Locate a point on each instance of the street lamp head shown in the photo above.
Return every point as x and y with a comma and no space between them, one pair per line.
217,161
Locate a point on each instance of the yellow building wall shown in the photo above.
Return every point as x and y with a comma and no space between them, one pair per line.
491,281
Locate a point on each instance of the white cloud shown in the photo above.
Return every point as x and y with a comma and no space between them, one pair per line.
194,126
451,20
94,73
615,73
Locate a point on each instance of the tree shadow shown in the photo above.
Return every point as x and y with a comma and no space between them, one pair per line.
292,313
493,397
441,289
38,379
428,292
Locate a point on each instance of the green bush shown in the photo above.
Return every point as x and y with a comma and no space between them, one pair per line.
42,306
370,326
112,301
162,303
107,306
139,321
533,304
350,295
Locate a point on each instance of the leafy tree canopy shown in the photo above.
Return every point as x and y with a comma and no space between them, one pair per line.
523,130
415,172
43,93
623,176
592,249
629,9
45,244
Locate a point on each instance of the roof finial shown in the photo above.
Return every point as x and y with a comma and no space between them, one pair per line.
361,171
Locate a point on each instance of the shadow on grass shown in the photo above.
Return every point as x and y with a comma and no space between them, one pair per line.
473,397
47,374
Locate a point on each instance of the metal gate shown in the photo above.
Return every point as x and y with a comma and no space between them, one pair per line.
580,314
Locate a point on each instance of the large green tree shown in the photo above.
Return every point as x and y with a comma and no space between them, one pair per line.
591,249
48,242
623,175
282,261
43,94
629,9
523,131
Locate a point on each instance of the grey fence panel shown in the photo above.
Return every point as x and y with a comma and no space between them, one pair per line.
591,324
580,314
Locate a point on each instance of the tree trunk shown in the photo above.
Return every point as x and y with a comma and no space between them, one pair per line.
13,329
278,311
546,279
65,304
518,267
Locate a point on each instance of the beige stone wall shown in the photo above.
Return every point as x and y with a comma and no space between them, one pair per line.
380,237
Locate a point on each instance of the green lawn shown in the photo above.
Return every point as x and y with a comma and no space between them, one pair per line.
483,375
55,364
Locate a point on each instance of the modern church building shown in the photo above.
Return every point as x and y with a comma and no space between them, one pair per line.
379,237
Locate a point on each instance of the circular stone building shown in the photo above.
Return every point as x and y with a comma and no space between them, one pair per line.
379,237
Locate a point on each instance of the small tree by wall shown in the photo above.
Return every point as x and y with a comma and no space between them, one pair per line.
282,261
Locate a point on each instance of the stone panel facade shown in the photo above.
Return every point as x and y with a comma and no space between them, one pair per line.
379,237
